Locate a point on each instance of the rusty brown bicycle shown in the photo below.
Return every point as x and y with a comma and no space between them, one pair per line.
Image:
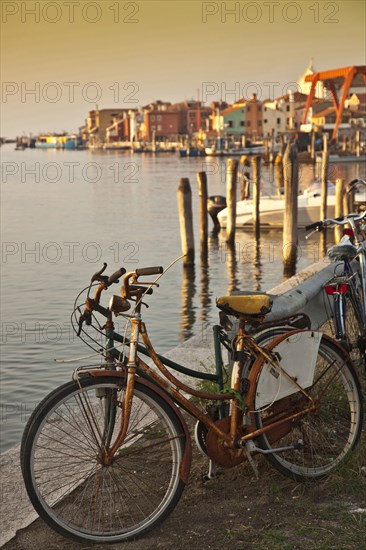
106,456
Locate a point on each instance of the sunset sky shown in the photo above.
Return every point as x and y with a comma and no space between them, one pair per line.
75,54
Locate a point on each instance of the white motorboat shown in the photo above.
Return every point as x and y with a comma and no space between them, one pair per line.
272,208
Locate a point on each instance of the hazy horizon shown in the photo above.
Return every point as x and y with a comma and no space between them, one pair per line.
77,54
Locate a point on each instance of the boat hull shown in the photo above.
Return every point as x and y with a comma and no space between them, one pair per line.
272,213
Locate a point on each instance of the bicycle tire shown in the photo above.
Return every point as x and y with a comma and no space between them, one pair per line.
88,502
349,327
327,435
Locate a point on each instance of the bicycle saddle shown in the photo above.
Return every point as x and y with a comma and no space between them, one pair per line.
257,304
344,250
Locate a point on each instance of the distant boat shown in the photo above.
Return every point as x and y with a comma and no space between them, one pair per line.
237,151
191,152
116,146
272,208
57,142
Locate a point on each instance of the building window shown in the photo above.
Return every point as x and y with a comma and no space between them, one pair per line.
152,118
278,121
265,121
265,109
158,117
242,123
230,124
248,122
259,108
287,108
248,108
192,114
287,121
159,127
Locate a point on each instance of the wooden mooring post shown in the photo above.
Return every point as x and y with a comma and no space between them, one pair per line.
324,179
338,211
348,202
184,196
256,175
279,174
271,146
231,178
203,195
312,146
291,184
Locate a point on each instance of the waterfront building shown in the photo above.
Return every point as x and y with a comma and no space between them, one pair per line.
232,120
274,118
101,120
161,121
253,114
304,85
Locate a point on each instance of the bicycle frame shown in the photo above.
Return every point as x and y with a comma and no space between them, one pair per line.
241,407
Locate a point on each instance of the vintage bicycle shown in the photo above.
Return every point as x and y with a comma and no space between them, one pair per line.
106,456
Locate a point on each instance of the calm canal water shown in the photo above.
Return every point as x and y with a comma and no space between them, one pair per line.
65,212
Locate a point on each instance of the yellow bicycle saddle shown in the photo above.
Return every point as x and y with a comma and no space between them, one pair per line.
258,304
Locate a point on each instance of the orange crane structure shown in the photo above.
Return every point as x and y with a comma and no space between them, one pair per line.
336,80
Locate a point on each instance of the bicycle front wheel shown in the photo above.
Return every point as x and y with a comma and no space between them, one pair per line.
310,446
70,487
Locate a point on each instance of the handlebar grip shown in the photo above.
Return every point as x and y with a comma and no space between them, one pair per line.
116,275
315,225
149,271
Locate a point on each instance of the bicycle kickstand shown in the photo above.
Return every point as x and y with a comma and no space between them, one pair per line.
213,470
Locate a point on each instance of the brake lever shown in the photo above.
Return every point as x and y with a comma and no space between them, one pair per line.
84,317
98,275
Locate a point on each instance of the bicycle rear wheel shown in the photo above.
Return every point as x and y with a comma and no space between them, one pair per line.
320,440
67,483
349,326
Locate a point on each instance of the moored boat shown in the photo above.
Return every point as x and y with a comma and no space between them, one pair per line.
272,208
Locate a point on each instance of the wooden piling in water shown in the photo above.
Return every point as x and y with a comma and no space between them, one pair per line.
338,211
357,143
271,146
312,146
348,202
184,196
256,175
324,179
291,184
203,195
279,174
231,177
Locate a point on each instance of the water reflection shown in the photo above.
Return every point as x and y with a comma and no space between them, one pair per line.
229,254
188,314
205,300
257,265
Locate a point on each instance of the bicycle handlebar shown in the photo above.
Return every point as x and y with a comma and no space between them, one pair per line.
342,220
319,225
157,270
127,288
356,182
116,275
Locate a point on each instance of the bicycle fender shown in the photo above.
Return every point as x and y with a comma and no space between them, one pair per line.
185,466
